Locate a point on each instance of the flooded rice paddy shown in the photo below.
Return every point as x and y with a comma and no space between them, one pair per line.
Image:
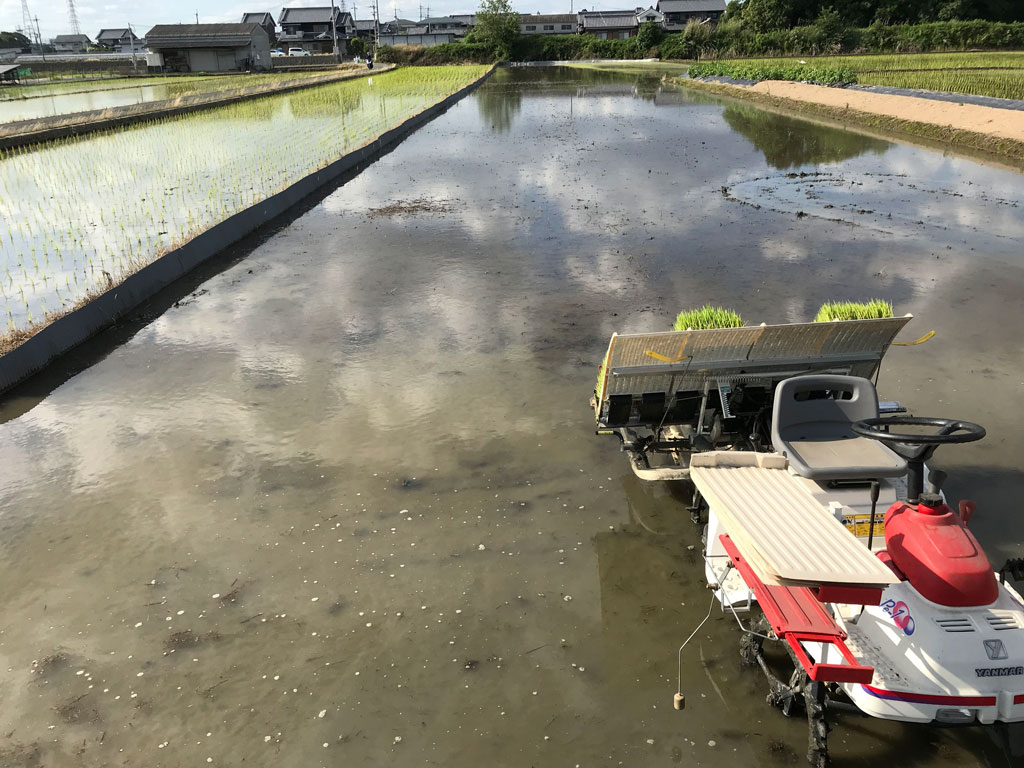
43,101
343,503
50,100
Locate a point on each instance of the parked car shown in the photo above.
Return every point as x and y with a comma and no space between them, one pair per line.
277,52
298,52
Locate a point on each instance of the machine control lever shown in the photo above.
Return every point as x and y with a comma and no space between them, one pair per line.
936,478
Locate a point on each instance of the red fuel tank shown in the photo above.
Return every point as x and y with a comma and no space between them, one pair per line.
938,555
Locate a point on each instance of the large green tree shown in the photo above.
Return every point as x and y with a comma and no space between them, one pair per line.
13,40
497,27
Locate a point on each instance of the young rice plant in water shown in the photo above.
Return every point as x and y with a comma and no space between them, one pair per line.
81,214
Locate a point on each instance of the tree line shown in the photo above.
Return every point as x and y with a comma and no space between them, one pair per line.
771,15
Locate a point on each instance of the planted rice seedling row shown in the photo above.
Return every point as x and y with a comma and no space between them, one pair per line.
999,74
81,214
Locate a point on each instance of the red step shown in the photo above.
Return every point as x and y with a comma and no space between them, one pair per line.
796,616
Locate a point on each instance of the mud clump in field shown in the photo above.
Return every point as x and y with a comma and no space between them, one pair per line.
411,208
188,639
20,756
54,662
77,710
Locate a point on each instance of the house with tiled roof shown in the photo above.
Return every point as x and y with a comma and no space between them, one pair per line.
310,28
265,20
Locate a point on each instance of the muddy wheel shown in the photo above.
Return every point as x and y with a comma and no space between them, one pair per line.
797,683
817,737
751,645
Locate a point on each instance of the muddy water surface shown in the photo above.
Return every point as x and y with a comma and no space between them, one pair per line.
344,505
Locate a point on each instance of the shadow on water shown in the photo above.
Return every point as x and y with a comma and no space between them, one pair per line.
787,142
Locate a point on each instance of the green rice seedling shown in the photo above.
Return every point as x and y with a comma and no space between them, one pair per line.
707,317
853,310
826,75
125,195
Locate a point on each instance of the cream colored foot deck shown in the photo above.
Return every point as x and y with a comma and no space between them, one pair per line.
787,536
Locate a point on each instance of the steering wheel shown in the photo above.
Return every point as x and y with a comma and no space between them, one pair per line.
947,430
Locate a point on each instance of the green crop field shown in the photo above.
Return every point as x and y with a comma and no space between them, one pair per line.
80,214
999,74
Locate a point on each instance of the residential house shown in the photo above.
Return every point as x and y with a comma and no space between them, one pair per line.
652,15
414,37
265,20
608,25
310,28
366,28
71,43
457,26
396,26
121,40
678,13
548,24
208,47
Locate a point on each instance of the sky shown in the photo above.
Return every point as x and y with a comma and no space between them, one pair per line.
94,15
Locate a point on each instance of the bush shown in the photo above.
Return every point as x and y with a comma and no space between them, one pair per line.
434,55
356,46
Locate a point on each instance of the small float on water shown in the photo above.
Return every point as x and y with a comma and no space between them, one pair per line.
897,615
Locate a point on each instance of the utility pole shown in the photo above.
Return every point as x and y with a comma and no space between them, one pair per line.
76,28
334,32
197,17
376,27
39,41
131,47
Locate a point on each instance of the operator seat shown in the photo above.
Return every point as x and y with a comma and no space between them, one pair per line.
811,422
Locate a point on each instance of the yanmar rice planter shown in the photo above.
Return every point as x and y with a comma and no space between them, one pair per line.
792,456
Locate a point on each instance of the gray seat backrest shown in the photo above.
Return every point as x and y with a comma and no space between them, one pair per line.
811,426
796,404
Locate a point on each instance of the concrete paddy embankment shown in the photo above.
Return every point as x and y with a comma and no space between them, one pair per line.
35,131
985,128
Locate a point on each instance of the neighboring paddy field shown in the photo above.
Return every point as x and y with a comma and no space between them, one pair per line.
46,101
176,86
80,214
12,93
998,74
